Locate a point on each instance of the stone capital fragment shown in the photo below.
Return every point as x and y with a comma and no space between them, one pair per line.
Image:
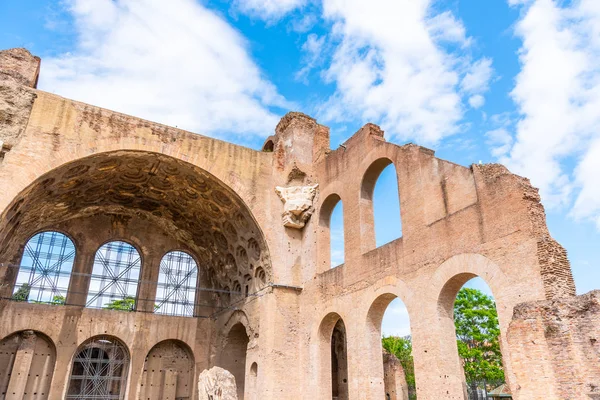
298,204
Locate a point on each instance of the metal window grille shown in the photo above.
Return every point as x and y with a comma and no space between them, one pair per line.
115,275
176,290
45,269
99,370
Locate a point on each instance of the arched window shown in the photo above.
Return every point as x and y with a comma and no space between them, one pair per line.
331,233
380,205
45,269
114,280
177,279
99,370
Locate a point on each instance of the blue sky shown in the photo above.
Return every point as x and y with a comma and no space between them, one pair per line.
511,81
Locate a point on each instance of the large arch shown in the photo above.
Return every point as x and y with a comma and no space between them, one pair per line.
168,372
27,360
188,203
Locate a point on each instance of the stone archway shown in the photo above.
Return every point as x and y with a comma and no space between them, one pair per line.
186,202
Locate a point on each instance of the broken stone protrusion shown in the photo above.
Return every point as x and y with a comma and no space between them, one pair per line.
216,384
298,204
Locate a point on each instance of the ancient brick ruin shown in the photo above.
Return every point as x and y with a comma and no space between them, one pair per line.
223,253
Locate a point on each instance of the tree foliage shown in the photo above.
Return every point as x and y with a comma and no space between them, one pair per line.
125,304
22,294
401,347
477,334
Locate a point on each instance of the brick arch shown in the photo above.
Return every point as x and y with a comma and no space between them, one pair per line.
331,325
372,309
447,280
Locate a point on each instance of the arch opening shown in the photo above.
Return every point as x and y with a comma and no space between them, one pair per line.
99,370
27,359
135,188
331,233
381,222
168,372
45,269
388,327
333,358
471,328
233,356
339,362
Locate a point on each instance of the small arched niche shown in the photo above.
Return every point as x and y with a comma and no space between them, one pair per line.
168,372
379,205
233,356
22,375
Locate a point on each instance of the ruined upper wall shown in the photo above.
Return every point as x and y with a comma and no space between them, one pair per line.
446,209
19,72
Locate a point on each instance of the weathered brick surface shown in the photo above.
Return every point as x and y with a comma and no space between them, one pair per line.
561,340
19,71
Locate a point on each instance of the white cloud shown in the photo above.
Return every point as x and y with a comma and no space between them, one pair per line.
500,141
557,93
476,101
268,10
478,78
173,62
313,49
390,67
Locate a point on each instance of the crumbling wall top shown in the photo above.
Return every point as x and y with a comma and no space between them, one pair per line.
19,65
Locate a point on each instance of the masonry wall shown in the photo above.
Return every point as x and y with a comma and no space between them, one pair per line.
457,223
562,339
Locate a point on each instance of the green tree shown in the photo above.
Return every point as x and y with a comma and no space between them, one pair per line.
401,347
58,300
127,303
477,334
22,294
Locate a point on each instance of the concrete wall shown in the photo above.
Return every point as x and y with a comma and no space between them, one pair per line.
457,223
